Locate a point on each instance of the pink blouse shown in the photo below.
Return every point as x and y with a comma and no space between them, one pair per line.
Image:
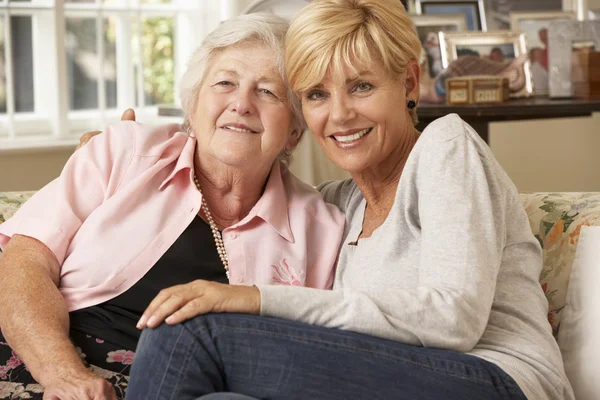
123,199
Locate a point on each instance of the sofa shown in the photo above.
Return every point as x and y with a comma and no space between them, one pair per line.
556,220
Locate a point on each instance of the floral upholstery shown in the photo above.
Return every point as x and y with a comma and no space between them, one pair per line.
10,202
556,220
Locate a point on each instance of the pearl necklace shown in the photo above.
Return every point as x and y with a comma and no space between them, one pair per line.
214,229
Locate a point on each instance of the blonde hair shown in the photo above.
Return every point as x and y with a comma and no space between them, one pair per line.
330,35
259,28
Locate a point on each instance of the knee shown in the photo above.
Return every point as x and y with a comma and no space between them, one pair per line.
159,338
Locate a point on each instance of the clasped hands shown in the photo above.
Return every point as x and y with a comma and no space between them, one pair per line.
179,303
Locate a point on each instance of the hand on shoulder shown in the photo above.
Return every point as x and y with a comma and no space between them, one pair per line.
128,115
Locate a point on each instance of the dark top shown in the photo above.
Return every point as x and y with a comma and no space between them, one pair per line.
192,256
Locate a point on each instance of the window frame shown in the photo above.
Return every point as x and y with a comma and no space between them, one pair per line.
52,124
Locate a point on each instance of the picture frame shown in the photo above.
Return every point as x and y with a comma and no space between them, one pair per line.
594,15
566,37
474,11
428,28
535,26
500,47
498,11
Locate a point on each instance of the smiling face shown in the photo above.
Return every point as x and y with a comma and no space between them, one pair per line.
361,122
242,117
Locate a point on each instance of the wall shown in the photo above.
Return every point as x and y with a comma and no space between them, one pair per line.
32,169
550,155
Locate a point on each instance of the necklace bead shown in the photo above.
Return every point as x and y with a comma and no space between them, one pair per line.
215,231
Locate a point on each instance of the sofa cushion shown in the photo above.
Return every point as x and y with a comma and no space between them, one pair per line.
556,220
10,202
579,336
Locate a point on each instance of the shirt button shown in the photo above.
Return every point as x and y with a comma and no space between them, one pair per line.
233,236
239,279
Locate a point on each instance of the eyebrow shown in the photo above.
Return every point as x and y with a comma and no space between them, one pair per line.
262,79
228,71
358,76
349,80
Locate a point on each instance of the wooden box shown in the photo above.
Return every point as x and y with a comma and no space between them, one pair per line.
480,89
585,74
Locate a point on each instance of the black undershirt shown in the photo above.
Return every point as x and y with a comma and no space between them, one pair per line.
192,256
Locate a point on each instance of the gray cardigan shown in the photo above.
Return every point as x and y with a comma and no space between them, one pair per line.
454,265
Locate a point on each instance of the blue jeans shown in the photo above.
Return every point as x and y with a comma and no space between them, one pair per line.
268,358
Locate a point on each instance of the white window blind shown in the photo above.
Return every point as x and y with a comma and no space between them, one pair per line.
71,66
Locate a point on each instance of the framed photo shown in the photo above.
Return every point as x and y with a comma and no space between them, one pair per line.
569,41
428,28
498,11
535,26
500,53
473,10
594,15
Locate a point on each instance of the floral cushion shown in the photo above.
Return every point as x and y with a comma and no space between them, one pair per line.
10,202
556,220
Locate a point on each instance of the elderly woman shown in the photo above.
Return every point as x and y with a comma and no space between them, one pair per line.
436,293
140,209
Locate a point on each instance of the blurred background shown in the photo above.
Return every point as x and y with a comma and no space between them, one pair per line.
74,66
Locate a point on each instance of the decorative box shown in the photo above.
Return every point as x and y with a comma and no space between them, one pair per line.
585,73
478,89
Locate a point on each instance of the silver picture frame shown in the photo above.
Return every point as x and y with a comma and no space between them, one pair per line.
535,26
428,28
562,38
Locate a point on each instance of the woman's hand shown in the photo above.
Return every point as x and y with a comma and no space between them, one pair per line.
79,385
181,302
128,115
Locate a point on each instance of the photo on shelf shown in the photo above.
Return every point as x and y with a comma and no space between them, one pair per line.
428,28
535,26
501,54
495,52
572,43
473,10
498,11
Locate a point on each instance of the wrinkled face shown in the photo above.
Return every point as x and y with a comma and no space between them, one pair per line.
361,122
242,117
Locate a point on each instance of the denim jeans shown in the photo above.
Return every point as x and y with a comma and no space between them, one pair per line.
269,358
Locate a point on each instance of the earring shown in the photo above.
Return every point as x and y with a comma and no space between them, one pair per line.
411,104
190,132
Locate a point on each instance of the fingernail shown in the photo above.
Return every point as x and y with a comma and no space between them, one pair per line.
141,322
169,319
151,321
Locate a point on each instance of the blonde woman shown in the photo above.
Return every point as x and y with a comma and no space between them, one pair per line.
436,294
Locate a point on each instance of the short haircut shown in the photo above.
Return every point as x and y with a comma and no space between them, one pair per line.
258,28
330,35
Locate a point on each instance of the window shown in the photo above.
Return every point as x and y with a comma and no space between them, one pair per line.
74,65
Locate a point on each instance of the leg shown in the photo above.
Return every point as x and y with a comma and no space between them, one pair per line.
226,396
16,380
278,359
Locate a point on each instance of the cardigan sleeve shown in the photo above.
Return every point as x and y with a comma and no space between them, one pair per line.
54,214
459,203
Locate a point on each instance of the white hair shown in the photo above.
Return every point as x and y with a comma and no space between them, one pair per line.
257,28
